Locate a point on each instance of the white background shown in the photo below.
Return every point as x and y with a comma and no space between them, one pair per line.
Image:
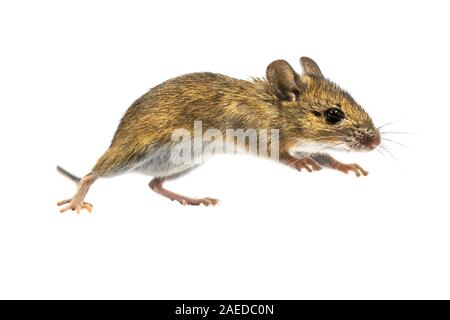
69,70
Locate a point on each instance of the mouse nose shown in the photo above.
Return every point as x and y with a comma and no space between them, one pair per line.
371,140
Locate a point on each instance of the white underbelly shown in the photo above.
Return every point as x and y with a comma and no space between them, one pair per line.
166,160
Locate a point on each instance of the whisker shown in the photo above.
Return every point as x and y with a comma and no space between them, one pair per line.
399,143
388,151
330,147
387,124
306,154
379,151
291,163
397,132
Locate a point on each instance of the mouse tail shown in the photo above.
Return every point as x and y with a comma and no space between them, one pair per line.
67,174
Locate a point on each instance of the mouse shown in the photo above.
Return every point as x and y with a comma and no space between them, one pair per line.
311,115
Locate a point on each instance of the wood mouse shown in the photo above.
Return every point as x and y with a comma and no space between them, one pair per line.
311,113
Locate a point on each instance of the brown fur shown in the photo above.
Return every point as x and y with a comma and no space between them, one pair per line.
223,102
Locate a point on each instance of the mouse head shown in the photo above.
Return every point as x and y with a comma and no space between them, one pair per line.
328,116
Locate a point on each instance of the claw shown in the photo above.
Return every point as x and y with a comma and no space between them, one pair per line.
78,207
196,202
210,201
345,168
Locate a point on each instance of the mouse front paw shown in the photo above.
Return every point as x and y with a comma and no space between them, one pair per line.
305,163
346,168
75,206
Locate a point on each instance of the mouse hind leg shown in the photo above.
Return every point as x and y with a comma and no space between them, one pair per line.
157,186
160,164
77,203
113,162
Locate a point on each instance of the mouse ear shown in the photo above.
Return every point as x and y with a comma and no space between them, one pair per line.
310,67
283,78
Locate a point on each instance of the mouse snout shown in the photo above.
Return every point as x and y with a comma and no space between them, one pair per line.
370,140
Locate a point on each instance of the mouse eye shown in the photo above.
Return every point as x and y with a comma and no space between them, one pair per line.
334,115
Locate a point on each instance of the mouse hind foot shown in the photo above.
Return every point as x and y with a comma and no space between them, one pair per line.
77,203
157,186
75,206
